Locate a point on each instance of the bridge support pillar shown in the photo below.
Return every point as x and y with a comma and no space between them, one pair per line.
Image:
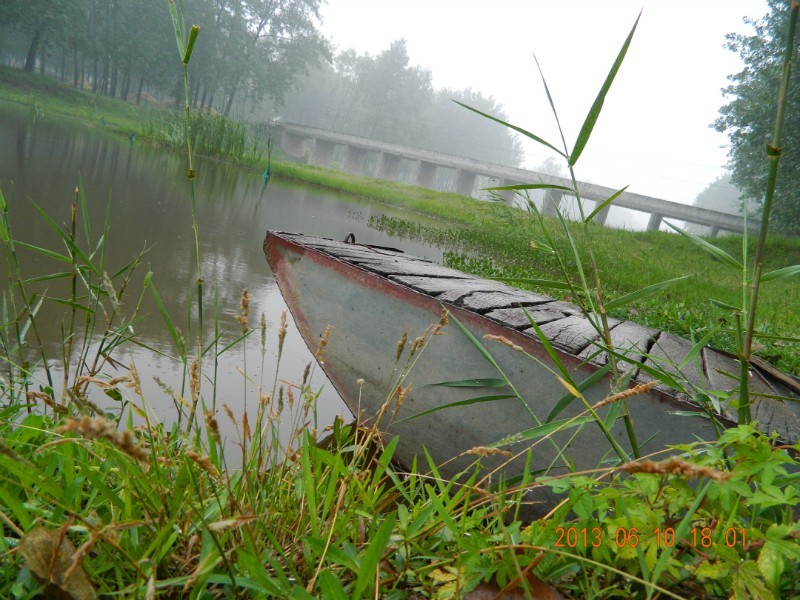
323,152
655,222
552,199
714,231
389,166
295,145
354,160
600,218
506,195
465,182
426,174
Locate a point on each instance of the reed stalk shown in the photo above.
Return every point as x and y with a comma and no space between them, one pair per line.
774,152
185,48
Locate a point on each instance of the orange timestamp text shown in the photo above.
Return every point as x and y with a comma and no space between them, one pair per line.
663,537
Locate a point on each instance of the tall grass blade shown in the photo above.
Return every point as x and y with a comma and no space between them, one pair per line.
489,382
527,134
599,208
173,332
783,273
541,431
331,587
368,570
552,106
584,385
713,250
565,374
645,292
597,106
477,400
70,243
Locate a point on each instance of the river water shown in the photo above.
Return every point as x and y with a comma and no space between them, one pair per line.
42,160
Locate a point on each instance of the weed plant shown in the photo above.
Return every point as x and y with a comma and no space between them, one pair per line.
112,502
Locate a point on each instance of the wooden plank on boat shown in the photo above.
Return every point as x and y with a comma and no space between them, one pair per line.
772,414
574,333
445,289
484,302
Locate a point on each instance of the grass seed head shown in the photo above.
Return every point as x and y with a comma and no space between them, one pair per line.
629,393
213,426
401,344
674,466
485,451
263,333
101,428
136,383
245,307
281,332
503,340
204,462
194,380
320,355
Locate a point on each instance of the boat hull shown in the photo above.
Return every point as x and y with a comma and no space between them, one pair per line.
369,313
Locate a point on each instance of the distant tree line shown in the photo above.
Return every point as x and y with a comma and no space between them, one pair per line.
253,59
124,48
384,97
749,117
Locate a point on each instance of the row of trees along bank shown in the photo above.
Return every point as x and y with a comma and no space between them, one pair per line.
255,59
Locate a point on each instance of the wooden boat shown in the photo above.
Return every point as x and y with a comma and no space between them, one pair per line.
371,295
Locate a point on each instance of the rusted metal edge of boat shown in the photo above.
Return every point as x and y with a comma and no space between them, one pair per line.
371,295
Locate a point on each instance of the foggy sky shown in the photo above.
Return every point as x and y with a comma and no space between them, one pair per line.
654,133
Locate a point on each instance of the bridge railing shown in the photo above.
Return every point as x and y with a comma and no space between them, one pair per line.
297,141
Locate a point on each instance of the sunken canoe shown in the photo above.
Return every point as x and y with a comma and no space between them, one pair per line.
372,295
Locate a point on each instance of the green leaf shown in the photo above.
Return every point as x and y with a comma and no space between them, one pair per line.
594,111
549,349
584,385
373,554
541,431
605,203
173,332
489,382
697,348
73,247
717,253
44,252
721,304
527,134
50,277
781,273
331,587
457,403
645,292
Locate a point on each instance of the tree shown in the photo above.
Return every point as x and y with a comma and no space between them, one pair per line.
388,94
720,195
748,118
453,129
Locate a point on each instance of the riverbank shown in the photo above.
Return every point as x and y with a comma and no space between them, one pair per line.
106,502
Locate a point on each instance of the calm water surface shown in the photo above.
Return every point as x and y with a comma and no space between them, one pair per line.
43,159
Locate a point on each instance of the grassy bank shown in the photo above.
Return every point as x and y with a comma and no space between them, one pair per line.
113,502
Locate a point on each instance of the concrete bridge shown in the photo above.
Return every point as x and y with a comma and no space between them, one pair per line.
445,172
